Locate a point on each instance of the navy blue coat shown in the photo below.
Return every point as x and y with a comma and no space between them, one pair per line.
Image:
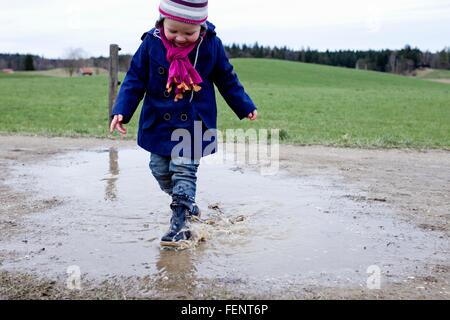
160,114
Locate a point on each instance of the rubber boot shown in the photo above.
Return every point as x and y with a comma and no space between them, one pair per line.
193,211
179,230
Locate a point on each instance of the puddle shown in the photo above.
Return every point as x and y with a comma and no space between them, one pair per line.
268,231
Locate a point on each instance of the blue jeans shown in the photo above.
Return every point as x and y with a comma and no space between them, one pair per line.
177,177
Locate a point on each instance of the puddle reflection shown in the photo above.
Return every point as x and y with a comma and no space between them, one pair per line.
111,188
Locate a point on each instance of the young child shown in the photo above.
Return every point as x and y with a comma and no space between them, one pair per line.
176,67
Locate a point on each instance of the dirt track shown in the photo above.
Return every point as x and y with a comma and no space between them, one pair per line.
414,184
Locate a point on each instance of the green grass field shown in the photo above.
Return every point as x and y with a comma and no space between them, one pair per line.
312,104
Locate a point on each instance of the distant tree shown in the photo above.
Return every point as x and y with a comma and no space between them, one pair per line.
382,60
74,58
124,62
324,58
291,55
245,51
234,50
363,64
444,58
257,51
96,65
301,55
392,62
426,59
407,53
311,56
28,62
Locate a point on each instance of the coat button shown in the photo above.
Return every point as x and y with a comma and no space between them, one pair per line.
161,70
166,116
166,93
183,117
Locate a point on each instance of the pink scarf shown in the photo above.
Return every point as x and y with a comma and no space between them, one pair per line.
181,72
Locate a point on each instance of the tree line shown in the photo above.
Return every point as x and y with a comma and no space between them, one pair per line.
403,61
28,62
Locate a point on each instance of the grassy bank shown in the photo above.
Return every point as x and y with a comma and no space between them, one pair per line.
312,104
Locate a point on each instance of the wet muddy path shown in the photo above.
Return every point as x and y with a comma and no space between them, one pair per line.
310,231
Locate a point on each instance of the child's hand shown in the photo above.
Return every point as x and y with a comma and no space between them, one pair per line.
116,123
252,116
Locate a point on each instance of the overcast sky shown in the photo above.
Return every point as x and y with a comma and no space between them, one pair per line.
50,27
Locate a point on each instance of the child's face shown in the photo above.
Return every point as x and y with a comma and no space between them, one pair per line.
181,34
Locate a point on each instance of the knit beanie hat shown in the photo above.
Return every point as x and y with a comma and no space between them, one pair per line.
187,11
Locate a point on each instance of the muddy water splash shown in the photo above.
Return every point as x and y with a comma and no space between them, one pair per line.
261,231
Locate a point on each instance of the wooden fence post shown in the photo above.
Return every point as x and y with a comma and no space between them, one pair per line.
113,77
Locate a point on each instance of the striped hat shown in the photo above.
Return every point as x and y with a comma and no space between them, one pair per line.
187,11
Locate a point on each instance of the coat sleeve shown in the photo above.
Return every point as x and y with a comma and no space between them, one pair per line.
134,85
229,85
